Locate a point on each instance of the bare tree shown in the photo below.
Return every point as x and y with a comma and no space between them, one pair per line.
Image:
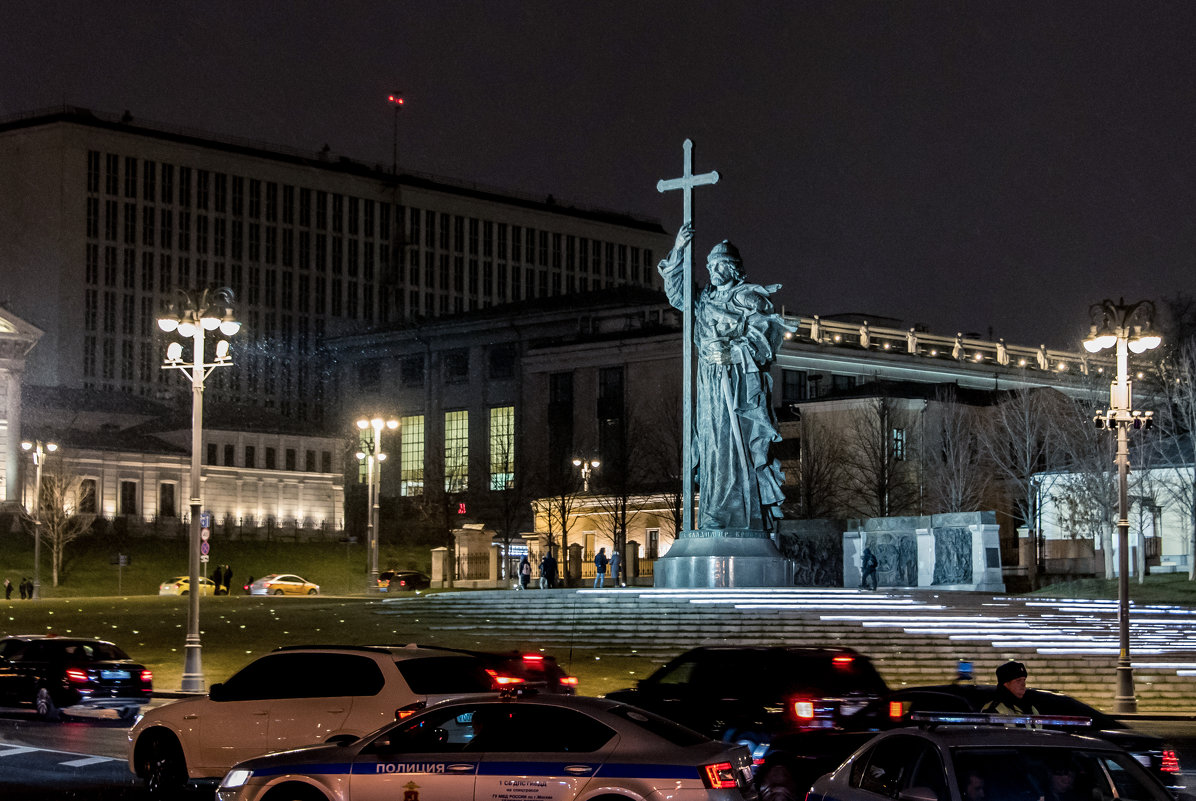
559,505
664,441
1177,423
818,472
955,475
623,483
61,521
880,478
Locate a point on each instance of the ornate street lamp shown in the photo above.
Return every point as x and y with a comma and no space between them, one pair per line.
1128,328
587,467
372,454
38,450
209,310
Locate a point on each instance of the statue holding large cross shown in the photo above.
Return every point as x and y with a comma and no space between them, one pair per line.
736,332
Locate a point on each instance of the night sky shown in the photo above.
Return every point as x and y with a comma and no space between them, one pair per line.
986,167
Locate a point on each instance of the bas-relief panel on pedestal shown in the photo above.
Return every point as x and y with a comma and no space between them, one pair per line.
897,555
952,555
817,557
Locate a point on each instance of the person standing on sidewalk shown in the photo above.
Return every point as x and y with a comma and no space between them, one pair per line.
600,561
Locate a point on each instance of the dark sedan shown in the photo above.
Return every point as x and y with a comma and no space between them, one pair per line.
72,675
795,761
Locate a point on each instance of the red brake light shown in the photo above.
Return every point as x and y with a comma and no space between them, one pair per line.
719,776
147,677
1170,762
501,680
896,710
76,675
409,710
803,710
842,661
568,681
533,658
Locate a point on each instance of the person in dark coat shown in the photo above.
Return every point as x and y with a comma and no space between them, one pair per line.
868,565
1011,697
24,590
525,572
7,590
217,578
228,580
600,561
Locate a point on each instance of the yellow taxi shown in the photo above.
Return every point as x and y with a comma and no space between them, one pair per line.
283,584
181,585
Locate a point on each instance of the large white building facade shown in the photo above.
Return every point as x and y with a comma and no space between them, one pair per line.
103,219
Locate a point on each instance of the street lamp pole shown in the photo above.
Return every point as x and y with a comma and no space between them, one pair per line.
375,456
207,311
38,450
1127,328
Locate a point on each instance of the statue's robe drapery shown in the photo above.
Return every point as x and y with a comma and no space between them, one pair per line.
739,480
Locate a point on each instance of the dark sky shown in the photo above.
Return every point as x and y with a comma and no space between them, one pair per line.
970,166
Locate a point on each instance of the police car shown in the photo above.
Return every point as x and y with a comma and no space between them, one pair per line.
529,748
987,758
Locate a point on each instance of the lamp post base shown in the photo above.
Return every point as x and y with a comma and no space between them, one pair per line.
1126,702
192,668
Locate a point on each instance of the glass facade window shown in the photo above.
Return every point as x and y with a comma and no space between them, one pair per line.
502,447
411,454
456,451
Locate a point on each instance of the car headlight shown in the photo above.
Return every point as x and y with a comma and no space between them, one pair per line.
235,778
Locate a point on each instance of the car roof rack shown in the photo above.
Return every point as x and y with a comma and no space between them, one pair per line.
933,719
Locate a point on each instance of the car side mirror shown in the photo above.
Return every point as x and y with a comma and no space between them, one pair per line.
341,739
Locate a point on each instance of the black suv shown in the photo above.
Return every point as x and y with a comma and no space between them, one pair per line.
512,669
53,673
795,761
750,695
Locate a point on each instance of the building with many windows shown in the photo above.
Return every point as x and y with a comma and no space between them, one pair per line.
104,219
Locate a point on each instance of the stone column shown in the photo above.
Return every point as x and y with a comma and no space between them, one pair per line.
11,442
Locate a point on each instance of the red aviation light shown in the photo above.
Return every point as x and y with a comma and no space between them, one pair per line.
397,99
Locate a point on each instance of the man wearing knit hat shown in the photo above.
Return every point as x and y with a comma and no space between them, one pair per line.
1010,698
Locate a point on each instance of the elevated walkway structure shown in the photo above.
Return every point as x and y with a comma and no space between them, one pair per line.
913,637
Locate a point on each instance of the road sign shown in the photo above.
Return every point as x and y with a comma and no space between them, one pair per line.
204,558
205,520
203,548
205,533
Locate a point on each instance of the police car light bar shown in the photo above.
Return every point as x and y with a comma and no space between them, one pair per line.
986,719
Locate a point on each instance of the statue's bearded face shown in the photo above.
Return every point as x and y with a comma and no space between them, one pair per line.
723,272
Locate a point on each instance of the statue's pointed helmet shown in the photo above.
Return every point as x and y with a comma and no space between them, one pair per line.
725,250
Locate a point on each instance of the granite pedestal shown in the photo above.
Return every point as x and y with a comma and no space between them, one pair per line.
723,559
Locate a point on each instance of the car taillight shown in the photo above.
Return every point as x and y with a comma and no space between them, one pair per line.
76,675
842,661
568,681
803,710
533,658
409,710
719,776
896,710
503,681
1170,762
147,677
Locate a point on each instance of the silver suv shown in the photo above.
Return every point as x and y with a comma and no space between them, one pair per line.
294,696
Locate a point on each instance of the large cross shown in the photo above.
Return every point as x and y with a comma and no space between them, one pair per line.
686,184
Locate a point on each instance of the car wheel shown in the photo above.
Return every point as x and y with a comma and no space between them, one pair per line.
312,592
278,592
184,592
46,708
161,764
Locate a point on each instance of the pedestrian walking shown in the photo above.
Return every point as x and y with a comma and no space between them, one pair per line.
7,590
600,562
525,572
868,563
217,578
548,571
22,588
616,567
28,589
228,580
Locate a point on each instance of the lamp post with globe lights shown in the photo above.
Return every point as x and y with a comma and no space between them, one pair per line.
373,455
209,310
38,450
587,466
1126,328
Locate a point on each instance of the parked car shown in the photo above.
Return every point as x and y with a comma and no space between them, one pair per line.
939,761
402,580
750,694
283,584
78,676
797,760
516,669
295,696
181,585
533,747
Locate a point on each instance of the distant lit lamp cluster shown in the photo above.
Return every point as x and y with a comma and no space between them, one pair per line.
371,453
209,310
1126,328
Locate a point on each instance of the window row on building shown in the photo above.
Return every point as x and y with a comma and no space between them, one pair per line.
266,458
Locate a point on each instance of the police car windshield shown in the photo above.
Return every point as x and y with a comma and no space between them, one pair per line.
675,733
